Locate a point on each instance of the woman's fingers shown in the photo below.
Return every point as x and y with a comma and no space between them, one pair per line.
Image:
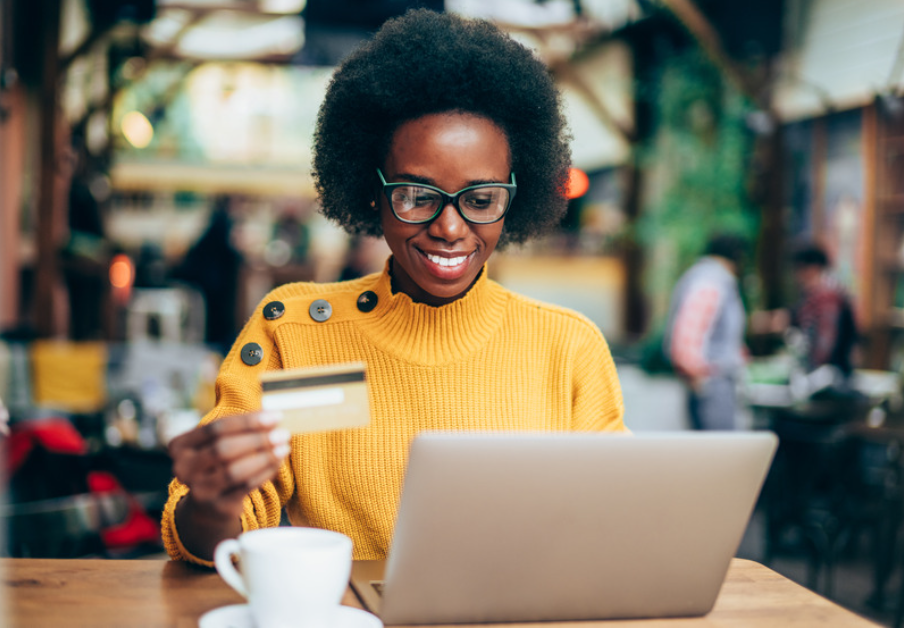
240,423
225,461
232,446
230,482
252,470
229,454
209,434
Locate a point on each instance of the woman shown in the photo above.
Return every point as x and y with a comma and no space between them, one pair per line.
444,136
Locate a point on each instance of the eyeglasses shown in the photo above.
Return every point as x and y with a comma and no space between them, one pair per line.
417,203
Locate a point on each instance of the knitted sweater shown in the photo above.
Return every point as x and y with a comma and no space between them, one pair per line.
492,360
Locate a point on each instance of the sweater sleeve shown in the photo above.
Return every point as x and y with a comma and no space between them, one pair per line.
262,509
597,397
238,392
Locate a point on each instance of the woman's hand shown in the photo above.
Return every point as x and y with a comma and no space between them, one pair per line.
221,462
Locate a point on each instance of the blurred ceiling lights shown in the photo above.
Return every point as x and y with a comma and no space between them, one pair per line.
273,30
533,14
285,7
224,29
233,35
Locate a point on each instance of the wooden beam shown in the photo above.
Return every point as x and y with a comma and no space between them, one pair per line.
878,280
12,151
13,135
867,279
48,312
771,245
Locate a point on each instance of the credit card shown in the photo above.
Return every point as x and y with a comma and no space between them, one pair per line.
318,399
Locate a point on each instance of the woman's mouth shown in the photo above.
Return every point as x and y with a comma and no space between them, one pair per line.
447,261
447,267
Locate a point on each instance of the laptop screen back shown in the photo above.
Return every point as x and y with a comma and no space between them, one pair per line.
528,527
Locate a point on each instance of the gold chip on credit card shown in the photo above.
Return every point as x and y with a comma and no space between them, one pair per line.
318,399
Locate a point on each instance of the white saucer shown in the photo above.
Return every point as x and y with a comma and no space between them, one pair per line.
239,616
234,616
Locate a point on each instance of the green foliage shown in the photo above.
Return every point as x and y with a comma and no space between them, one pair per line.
696,167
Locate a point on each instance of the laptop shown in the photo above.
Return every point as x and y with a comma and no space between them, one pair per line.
503,527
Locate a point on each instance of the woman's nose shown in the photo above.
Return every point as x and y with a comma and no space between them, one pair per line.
449,224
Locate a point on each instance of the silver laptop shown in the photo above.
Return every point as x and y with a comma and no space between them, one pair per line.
565,526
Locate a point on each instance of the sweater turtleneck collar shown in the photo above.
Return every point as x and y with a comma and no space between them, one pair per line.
431,335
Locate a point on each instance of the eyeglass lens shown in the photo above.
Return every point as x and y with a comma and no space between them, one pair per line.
481,205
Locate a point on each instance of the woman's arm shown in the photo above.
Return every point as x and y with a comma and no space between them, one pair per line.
597,403
220,463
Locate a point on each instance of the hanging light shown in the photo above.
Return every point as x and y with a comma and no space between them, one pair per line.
122,277
578,183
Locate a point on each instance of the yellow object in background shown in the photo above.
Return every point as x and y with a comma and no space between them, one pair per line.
69,376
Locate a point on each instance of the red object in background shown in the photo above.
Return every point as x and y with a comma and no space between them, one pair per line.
58,435
578,183
122,277
138,527
55,434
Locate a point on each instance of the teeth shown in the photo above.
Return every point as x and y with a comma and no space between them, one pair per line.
446,261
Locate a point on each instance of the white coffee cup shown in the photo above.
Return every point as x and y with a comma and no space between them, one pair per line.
290,576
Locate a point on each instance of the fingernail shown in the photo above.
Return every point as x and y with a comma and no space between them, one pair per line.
281,451
279,436
270,417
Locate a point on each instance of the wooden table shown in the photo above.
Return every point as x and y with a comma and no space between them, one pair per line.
152,593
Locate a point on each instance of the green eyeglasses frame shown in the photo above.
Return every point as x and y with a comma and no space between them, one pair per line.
448,198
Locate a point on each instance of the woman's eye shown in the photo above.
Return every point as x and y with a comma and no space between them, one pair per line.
479,202
423,199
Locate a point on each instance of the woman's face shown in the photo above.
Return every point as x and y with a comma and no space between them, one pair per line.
438,261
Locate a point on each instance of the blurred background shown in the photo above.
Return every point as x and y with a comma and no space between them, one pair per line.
155,183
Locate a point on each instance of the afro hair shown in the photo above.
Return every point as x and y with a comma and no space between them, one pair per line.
423,63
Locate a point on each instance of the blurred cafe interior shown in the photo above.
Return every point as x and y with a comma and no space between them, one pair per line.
155,185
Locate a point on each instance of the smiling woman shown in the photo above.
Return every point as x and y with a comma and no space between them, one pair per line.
444,136
436,261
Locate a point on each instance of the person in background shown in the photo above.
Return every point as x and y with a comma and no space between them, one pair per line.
820,330
212,266
86,255
704,337
824,313
424,137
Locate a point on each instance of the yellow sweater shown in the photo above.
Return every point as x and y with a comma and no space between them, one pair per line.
492,360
